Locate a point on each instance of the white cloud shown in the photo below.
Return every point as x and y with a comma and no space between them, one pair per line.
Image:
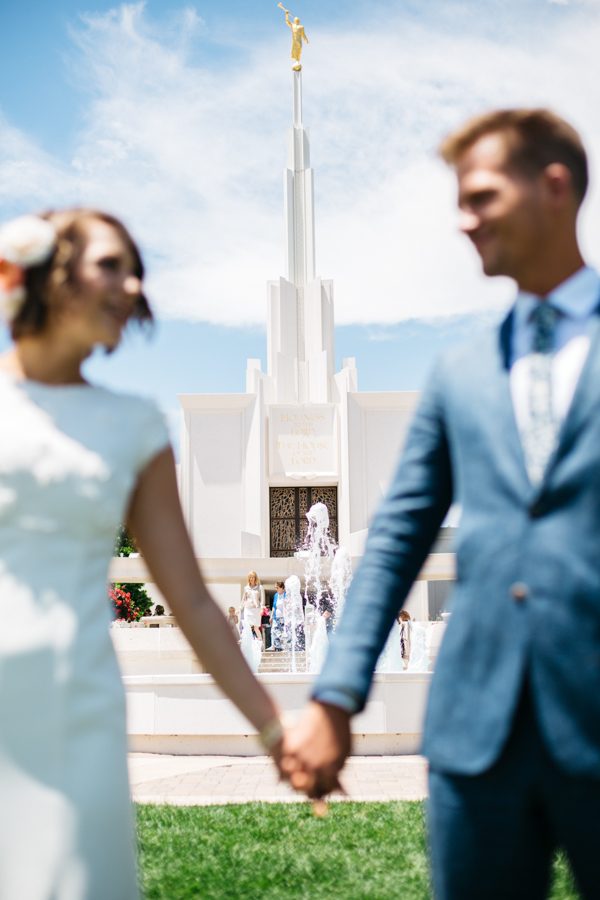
29,178
190,152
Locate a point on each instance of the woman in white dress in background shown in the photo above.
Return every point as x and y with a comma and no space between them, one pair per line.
75,461
405,623
253,600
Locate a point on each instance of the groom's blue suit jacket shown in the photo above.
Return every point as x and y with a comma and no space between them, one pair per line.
527,595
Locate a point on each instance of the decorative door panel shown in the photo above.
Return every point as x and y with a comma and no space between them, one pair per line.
288,508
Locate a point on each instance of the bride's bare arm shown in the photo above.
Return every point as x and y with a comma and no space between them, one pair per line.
156,520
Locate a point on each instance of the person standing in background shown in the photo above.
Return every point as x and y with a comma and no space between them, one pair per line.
253,600
234,622
278,616
404,621
265,627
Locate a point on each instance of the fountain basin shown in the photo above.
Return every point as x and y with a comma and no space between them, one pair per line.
154,651
165,651
188,714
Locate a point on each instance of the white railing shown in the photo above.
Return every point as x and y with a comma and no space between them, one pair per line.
128,569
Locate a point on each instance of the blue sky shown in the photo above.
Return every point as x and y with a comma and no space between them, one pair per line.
174,115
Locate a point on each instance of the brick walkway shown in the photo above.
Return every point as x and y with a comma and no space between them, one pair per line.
207,780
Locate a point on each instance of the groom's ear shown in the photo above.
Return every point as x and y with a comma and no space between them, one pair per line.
558,182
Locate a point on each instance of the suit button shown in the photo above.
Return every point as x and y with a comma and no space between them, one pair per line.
519,591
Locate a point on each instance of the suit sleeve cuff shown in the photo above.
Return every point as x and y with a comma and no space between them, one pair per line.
348,702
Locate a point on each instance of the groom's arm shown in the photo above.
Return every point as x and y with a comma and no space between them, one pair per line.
400,538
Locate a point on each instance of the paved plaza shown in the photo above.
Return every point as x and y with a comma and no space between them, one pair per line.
208,780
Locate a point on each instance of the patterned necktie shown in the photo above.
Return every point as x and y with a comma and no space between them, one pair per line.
539,438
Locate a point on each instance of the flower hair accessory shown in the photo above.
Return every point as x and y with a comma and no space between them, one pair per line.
24,242
27,241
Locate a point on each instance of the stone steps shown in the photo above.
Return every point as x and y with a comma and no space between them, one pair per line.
281,661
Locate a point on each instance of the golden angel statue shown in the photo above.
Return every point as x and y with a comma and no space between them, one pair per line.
298,36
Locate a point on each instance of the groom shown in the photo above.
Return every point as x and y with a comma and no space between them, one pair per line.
508,427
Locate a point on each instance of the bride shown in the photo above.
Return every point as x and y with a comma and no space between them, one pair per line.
75,461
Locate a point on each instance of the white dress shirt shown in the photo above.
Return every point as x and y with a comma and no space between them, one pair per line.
576,298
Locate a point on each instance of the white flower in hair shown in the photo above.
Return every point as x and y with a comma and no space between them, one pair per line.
11,302
24,242
27,241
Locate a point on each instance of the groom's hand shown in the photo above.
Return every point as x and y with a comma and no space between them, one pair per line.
316,748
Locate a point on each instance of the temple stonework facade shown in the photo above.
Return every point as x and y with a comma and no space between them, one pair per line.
253,463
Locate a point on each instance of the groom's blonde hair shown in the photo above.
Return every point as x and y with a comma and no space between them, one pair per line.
534,138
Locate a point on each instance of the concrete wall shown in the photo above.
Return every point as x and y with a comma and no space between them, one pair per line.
188,714
220,446
377,427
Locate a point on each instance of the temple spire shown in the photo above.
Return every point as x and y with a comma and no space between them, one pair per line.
297,100
300,327
299,203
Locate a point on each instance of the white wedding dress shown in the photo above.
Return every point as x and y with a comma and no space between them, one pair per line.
69,460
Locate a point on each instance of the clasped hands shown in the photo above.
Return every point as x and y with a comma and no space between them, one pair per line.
314,749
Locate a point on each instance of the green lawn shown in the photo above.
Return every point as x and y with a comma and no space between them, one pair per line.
360,851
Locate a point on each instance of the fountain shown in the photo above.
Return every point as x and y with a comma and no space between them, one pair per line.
251,648
318,547
308,626
318,542
390,659
317,651
339,582
419,654
293,615
341,576
174,708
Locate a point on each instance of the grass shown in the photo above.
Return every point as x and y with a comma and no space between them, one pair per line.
360,851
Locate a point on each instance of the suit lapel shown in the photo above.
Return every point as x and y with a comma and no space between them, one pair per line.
586,396
510,436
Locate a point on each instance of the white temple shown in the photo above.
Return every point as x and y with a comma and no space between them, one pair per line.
253,463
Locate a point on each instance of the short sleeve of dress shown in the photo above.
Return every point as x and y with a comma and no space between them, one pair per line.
153,435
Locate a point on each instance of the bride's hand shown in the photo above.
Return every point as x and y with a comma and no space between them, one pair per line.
315,749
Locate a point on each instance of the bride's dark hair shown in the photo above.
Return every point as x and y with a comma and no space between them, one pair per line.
44,281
